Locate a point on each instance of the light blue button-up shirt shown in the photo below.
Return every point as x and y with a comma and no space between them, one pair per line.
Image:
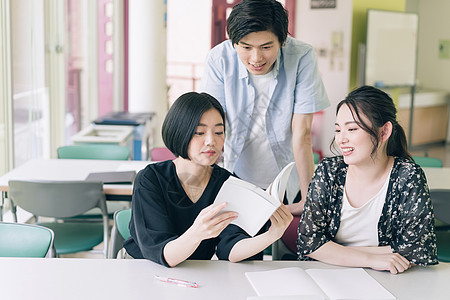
296,88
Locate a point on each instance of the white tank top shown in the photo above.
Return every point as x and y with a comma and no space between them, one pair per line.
359,226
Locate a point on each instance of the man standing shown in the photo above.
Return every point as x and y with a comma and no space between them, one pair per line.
269,86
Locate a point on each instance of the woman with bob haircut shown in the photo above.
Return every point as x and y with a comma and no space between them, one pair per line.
369,207
173,218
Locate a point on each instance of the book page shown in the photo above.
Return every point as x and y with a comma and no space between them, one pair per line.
132,166
254,205
284,282
278,187
290,297
349,283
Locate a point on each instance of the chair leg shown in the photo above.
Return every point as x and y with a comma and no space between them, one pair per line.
13,208
105,236
2,203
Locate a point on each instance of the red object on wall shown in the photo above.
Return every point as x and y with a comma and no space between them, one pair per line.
290,7
105,59
219,20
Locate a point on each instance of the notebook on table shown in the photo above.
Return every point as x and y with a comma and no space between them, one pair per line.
123,177
334,284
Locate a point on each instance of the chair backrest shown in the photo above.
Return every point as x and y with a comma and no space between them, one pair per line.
120,231
122,220
94,151
316,158
161,154
428,162
441,204
25,240
58,199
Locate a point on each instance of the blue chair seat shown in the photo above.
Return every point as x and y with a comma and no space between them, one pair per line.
75,237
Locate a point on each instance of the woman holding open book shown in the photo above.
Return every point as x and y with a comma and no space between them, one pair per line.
371,206
173,218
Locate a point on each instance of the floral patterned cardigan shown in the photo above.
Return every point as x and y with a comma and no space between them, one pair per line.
406,223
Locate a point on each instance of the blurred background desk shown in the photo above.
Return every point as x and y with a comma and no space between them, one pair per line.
73,169
438,178
59,278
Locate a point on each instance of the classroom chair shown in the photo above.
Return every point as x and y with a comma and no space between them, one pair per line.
65,199
316,158
25,240
443,245
286,247
161,154
441,208
120,231
94,151
100,152
428,162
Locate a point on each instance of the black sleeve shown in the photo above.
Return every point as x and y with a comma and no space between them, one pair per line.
414,236
314,227
151,228
230,236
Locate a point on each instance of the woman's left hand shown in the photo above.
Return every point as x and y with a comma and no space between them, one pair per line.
280,220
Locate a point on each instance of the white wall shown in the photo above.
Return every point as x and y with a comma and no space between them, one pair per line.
30,93
434,25
28,47
188,30
329,32
433,73
188,43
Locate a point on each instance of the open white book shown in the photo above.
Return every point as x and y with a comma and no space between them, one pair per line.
253,204
334,284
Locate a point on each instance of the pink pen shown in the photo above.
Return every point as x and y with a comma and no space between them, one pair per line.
178,282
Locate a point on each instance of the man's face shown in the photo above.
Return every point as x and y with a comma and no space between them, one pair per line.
258,51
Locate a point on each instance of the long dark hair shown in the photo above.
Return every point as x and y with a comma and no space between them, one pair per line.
379,108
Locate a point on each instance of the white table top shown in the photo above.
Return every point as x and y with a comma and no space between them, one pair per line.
78,169
71,278
438,178
72,169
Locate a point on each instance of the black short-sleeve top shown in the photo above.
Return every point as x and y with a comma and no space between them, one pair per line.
162,211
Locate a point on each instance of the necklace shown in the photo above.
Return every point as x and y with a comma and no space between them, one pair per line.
194,186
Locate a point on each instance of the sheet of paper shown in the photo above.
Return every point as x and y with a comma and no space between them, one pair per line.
349,283
131,166
124,177
290,297
283,282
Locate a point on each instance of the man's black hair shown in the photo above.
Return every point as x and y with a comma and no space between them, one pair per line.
251,16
